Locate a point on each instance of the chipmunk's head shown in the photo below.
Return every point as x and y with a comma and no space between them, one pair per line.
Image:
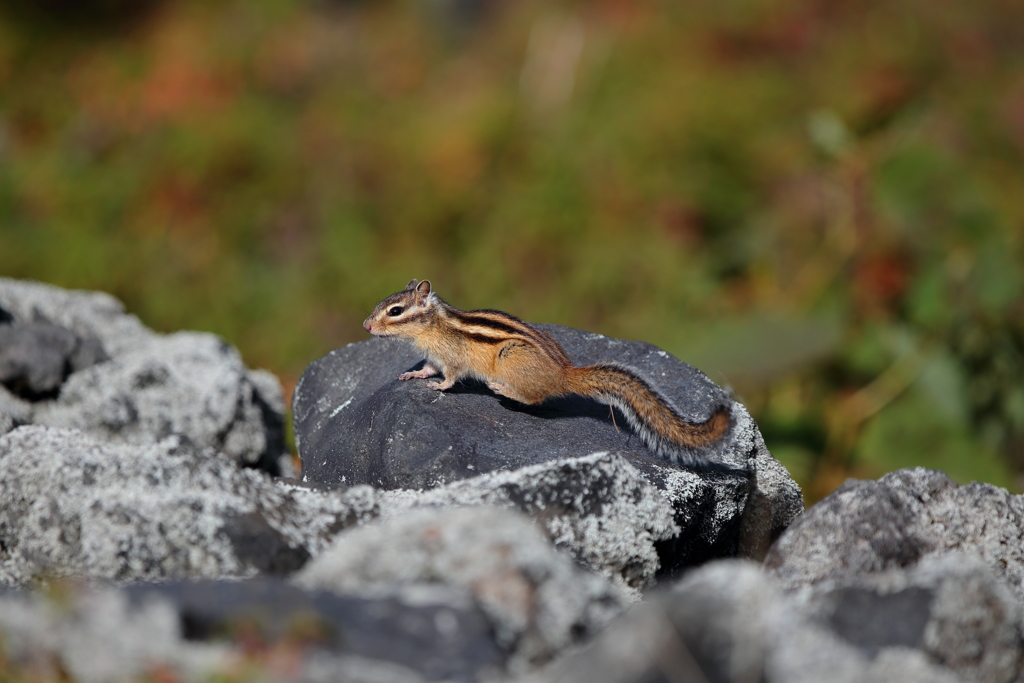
404,313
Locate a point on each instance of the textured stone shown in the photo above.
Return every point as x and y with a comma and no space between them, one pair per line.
89,315
123,383
74,506
598,507
609,514
34,357
898,520
539,602
729,622
98,635
185,383
14,411
97,638
437,631
950,607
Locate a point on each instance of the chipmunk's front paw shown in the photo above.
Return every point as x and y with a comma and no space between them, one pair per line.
441,386
423,373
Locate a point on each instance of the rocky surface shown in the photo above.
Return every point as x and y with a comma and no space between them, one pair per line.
416,552
949,620
437,631
36,357
909,578
537,599
951,607
896,522
76,506
75,359
599,508
259,630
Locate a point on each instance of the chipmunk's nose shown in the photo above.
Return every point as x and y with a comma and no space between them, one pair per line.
368,325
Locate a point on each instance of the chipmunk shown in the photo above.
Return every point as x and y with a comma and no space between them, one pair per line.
518,361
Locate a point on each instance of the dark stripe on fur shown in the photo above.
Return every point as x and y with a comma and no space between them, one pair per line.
513,326
470,319
484,339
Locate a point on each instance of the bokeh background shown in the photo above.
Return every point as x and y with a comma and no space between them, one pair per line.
818,202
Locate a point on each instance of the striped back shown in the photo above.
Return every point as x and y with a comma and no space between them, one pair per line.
488,326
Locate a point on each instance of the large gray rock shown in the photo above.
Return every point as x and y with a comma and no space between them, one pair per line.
950,607
36,357
75,506
356,423
14,411
256,631
897,521
88,315
538,600
729,622
599,508
437,631
610,515
872,584
102,372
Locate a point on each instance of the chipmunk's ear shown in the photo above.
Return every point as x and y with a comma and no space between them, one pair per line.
423,291
412,284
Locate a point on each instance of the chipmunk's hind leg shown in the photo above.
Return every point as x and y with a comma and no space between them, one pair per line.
512,392
501,390
523,374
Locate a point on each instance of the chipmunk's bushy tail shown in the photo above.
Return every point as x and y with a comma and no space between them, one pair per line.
658,424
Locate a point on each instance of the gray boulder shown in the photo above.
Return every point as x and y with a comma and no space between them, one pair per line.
950,607
437,631
14,411
632,522
599,508
98,637
75,506
355,423
538,600
256,631
36,357
895,522
729,622
85,364
87,315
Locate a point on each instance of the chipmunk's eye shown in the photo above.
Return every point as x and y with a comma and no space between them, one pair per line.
395,310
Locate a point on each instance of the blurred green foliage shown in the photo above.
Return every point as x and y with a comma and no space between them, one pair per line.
818,202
